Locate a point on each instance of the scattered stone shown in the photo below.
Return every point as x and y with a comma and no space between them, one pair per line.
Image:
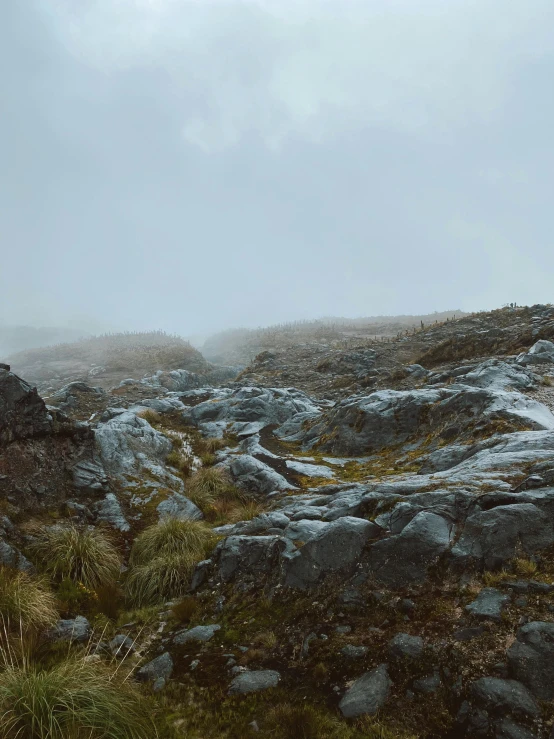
405,646
352,652
254,681
489,604
428,685
72,629
198,633
368,694
159,668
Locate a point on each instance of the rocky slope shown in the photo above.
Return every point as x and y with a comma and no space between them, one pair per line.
391,563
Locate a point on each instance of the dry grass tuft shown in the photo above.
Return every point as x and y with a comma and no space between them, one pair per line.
25,602
83,554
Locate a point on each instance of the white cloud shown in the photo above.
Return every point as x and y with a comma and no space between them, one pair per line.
313,68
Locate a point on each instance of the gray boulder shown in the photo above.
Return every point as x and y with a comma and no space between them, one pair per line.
368,694
406,557
254,681
177,506
158,669
12,557
252,474
506,729
73,629
23,414
492,537
500,697
128,443
540,353
247,555
531,658
337,546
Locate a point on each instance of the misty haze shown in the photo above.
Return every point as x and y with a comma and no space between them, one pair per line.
276,369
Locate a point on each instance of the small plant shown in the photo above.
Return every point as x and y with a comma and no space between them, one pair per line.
25,602
72,700
180,461
548,380
163,558
320,672
525,567
208,459
265,639
185,609
85,555
288,721
153,417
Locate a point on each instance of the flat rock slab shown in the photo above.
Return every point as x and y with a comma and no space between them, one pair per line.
489,604
252,682
198,633
368,694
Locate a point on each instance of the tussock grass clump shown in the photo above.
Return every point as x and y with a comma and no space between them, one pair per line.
180,461
185,609
210,484
163,557
72,700
152,416
83,554
25,602
525,567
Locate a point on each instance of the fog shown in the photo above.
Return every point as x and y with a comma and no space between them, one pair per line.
195,165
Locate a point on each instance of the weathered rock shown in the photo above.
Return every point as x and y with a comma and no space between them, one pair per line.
405,646
121,645
368,694
252,474
12,557
89,476
177,506
109,510
128,443
249,409
73,629
337,546
254,681
492,537
428,685
506,729
159,668
540,353
499,697
531,658
23,414
248,555
405,558
489,604
198,633
386,418
353,652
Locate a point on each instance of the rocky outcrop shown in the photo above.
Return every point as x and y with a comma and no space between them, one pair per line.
23,414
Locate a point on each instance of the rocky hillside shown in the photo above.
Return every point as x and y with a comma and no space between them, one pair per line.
367,551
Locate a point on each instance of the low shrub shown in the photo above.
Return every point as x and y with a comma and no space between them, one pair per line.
86,555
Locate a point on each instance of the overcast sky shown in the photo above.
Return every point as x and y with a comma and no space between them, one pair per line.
195,165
